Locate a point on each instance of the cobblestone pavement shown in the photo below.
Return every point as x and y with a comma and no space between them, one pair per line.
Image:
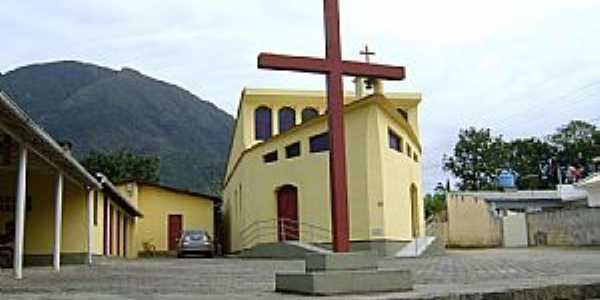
459,271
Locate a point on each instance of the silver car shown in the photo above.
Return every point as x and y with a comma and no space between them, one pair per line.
195,242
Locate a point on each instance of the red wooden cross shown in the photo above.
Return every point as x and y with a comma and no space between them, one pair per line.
334,68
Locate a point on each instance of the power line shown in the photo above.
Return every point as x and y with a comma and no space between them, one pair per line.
578,97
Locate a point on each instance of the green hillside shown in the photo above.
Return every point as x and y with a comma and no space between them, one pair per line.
97,108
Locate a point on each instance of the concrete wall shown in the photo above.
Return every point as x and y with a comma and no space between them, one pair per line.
514,231
379,178
157,204
593,191
438,230
471,223
566,227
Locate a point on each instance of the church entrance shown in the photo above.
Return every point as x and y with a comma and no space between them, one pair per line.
287,213
414,203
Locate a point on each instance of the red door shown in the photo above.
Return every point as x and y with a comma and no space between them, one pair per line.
125,221
287,213
175,230
110,230
118,233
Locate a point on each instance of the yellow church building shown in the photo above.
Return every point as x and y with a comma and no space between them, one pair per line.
277,182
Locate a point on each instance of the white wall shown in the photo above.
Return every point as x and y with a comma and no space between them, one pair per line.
514,231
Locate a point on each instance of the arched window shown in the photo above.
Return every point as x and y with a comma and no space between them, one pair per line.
309,113
262,123
287,119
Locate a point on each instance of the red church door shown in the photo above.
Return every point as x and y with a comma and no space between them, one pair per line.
175,231
287,213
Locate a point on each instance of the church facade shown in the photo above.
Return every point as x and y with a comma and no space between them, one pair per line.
277,179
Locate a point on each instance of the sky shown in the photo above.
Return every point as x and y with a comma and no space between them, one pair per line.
519,67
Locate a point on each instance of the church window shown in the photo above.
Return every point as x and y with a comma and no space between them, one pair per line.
292,150
403,113
395,141
319,143
309,113
408,150
416,157
287,119
270,157
262,123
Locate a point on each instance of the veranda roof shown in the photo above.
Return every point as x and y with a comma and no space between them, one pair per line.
16,123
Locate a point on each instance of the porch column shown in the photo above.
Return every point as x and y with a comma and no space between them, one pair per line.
20,212
90,216
58,219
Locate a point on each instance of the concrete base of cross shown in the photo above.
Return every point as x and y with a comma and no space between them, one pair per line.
343,273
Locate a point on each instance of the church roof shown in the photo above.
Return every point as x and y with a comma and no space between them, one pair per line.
409,98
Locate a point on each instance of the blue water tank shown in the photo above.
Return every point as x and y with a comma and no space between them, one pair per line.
507,179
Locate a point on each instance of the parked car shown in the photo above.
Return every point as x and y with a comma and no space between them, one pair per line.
195,242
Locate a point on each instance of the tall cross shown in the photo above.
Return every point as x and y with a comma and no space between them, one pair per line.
334,68
367,53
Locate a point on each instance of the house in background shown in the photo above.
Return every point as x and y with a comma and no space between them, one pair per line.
277,178
567,216
592,187
53,202
168,211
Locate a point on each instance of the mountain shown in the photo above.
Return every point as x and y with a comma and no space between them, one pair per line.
97,108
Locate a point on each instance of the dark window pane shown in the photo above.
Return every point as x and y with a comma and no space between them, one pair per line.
403,113
287,119
309,113
416,157
292,150
270,157
319,143
395,142
408,150
262,123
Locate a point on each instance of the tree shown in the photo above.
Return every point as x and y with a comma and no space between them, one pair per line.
529,157
478,157
577,141
122,165
435,203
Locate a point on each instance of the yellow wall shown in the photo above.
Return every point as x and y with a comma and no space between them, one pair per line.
471,222
157,204
399,173
39,222
379,180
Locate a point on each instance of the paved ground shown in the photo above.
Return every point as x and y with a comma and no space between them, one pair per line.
459,271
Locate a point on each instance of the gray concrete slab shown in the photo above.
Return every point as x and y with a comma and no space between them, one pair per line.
344,282
341,261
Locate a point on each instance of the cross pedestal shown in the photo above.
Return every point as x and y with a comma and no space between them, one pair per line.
343,273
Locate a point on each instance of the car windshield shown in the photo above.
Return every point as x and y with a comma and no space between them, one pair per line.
196,236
